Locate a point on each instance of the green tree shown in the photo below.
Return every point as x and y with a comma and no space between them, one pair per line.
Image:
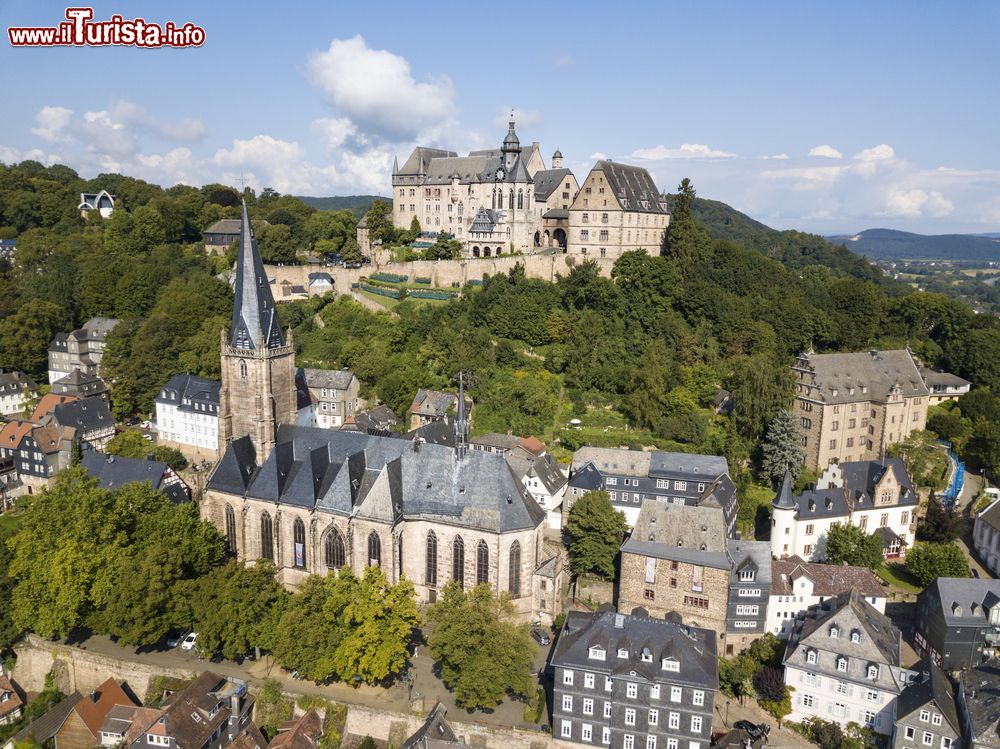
849,544
761,387
350,253
688,242
929,561
311,629
483,652
25,336
380,227
415,227
445,247
9,632
144,606
782,449
595,530
380,619
276,244
129,444
235,609
941,524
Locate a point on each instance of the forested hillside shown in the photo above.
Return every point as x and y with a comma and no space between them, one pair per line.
356,204
903,245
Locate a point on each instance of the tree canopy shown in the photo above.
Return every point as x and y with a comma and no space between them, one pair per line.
595,530
849,544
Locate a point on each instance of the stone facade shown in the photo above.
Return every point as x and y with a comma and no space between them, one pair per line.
854,406
618,209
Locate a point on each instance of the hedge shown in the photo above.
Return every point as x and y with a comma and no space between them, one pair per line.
382,291
389,277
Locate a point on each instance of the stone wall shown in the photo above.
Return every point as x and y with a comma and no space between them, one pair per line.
443,273
81,670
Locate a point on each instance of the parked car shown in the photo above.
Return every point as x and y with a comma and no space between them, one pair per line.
188,643
148,437
146,425
754,731
540,636
176,637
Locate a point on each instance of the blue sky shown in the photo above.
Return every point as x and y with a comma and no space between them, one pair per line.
827,118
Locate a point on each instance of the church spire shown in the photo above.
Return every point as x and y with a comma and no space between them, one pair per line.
784,498
461,423
255,320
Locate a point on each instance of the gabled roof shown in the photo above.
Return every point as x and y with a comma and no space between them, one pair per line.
94,708
48,402
336,379
752,555
193,389
421,158
13,701
548,181
435,733
965,601
932,688
837,375
13,432
79,383
45,727
980,687
304,732
86,416
828,580
432,403
991,515
255,319
633,186
526,465
485,220
52,438
113,472
682,533
15,381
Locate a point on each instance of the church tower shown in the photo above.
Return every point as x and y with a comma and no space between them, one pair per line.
258,364
511,148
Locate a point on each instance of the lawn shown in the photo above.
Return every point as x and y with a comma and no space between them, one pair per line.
390,303
898,577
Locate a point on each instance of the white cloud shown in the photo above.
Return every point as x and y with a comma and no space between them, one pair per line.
10,155
261,150
826,152
686,151
52,123
598,156
136,117
376,90
881,152
334,130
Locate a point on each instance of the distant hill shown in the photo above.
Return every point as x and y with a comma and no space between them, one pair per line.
795,249
358,204
901,245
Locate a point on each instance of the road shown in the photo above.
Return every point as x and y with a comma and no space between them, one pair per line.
966,506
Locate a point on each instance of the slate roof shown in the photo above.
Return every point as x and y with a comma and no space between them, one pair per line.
542,467
965,601
113,472
15,381
693,647
991,515
320,277
86,416
383,478
45,727
79,383
837,374
548,181
756,554
432,403
932,687
379,420
618,462
48,402
556,213
682,533
255,320
633,186
434,433
828,580
197,390
337,379
496,439
224,226
981,694
485,220
859,480
935,379
420,158
435,733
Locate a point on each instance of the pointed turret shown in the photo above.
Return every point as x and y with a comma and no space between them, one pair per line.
784,498
511,148
395,165
255,320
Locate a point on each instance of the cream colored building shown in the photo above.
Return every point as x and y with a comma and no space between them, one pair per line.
617,209
492,201
852,406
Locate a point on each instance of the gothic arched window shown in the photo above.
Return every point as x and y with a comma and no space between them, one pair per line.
374,550
520,199
493,202
482,563
334,550
243,369
299,543
458,561
510,200
461,208
431,571
230,530
266,537
514,573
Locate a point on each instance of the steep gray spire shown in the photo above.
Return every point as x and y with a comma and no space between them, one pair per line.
255,320
784,498
395,165
461,423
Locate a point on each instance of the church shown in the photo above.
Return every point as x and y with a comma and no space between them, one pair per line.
314,500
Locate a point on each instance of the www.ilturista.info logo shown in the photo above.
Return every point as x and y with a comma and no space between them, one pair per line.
80,30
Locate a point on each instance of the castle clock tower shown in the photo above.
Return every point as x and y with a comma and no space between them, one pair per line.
258,363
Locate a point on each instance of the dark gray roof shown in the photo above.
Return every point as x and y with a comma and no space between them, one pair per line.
224,226
79,383
859,480
587,478
965,601
991,515
936,379
484,221
86,416
15,382
835,376
784,498
335,379
681,533
633,186
434,733
433,402
320,276
434,433
556,213
383,478
379,420
932,687
752,553
693,647
542,467
255,320
114,471
45,727
547,181
980,692
421,158
186,387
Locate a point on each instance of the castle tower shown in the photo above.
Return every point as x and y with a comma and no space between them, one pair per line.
557,160
783,511
258,364
511,148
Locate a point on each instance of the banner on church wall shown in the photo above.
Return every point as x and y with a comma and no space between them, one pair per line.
300,555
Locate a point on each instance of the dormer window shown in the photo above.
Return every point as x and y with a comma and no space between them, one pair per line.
810,656
622,652
671,664
647,655
872,671
596,653
834,632
842,664
747,575
855,636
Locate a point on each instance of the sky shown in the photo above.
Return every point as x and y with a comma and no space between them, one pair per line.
832,118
